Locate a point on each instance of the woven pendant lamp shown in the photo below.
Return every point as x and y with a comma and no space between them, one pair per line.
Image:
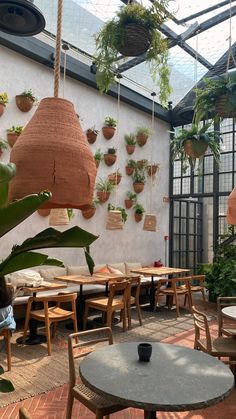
58,217
231,212
53,152
114,220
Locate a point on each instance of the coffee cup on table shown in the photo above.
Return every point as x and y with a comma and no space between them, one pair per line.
144,352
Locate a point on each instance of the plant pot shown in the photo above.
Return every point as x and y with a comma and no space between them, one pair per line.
89,213
138,217
103,196
130,148
136,40
141,164
152,169
141,140
12,138
129,170
24,103
44,212
129,203
91,137
195,148
109,159
138,187
224,108
2,108
108,132
115,180
97,162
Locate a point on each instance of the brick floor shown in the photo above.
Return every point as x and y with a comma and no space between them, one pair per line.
52,405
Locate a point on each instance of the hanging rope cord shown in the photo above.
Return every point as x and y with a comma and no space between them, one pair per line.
117,137
58,49
230,51
151,156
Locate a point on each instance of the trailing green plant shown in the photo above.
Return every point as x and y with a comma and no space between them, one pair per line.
29,93
124,214
198,137
17,130
138,208
3,144
4,98
144,131
130,139
110,40
104,185
95,201
209,93
111,150
110,122
70,213
131,163
98,155
138,176
132,196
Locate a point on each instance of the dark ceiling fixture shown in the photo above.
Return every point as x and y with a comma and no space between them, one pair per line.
20,18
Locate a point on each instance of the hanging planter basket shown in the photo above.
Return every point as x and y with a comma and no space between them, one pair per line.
150,223
44,212
136,40
141,140
91,136
110,159
224,108
138,217
152,169
129,203
114,220
195,148
2,108
130,149
129,170
103,196
108,132
138,187
24,103
12,137
89,213
114,178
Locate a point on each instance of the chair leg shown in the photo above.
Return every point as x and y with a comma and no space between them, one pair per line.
177,305
124,319
139,313
86,311
8,342
109,318
27,318
203,296
69,407
48,334
185,299
54,329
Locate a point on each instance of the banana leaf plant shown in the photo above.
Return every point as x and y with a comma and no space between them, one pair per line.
24,255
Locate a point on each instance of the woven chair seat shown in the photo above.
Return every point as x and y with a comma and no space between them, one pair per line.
222,346
95,401
103,302
53,313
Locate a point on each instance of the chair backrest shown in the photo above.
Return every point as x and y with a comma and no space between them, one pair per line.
135,283
202,331
221,303
186,280
103,334
198,280
24,414
122,288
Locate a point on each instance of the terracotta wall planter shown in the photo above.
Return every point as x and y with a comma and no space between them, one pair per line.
130,149
103,196
129,203
2,108
110,159
24,103
198,151
108,132
141,140
12,137
138,187
91,136
114,179
138,217
44,212
89,213
129,170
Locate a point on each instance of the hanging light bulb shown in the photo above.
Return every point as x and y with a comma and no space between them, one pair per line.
231,212
59,217
20,18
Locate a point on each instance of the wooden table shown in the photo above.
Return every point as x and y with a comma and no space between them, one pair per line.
175,379
34,338
97,278
158,271
229,312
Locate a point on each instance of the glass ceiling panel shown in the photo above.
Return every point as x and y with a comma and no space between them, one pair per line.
82,19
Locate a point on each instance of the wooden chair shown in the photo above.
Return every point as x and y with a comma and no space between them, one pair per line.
218,347
179,286
197,285
51,315
135,283
223,329
94,402
6,333
24,414
109,305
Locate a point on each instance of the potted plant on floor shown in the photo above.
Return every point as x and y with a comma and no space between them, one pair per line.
89,213
110,156
25,100
115,177
138,212
130,143
133,32
139,180
98,157
13,133
109,127
130,200
124,214
92,134
104,189
3,146
142,135
3,102
191,144
152,169
130,166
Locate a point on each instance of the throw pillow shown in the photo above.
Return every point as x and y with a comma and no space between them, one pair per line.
24,278
103,270
114,270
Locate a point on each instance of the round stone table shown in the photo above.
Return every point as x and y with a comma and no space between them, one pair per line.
175,379
229,312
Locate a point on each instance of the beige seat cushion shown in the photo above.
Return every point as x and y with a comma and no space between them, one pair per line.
132,265
50,273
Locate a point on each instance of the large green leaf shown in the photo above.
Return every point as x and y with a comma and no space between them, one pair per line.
7,171
17,211
89,260
6,386
26,260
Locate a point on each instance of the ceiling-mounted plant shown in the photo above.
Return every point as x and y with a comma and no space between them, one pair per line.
131,33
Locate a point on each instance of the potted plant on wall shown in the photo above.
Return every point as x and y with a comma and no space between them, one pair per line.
142,164
191,144
110,156
130,166
13,133
152,169
131,199
98,157
138,212
133,32
104,189
142,135
109,127
3,145
89,213
115,177
139,180
25,100
3,102
92,134
124,214
130,143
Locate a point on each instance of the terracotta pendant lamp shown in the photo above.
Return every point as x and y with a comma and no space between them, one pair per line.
53,152
231,212
58,217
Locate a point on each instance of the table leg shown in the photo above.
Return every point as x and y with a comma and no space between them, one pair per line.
151,307
150,414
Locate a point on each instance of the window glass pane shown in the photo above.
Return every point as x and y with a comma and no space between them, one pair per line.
186,185
227,144
226,125
176,225
177,168
176,186
223,205
226,163
184,209
208,183
197,184
225,182
208,164
176,209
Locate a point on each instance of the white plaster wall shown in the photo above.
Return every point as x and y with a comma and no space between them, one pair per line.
18,73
